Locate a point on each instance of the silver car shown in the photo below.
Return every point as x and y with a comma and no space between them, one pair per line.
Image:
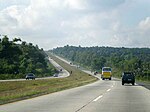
30,76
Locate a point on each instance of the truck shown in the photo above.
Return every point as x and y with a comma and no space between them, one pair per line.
106,73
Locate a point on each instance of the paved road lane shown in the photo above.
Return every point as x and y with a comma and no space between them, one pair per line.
126,98
66,101
105,96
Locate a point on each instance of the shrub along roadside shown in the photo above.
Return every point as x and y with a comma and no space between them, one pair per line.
19,90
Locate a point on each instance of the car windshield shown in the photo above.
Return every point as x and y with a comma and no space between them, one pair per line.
106,69
128,74
30,74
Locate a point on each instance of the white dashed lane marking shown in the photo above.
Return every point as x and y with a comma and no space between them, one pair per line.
108,90
98,98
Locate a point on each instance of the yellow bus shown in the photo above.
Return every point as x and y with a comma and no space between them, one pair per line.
106,73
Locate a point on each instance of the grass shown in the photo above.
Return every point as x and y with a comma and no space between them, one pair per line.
19,90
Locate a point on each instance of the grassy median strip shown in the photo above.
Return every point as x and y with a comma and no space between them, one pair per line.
19,90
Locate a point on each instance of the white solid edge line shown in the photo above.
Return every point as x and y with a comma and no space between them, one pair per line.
98,98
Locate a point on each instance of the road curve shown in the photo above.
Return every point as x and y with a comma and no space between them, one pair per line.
61,74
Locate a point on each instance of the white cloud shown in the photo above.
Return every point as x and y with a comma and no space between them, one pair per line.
145,24
76,4
52,23
137,36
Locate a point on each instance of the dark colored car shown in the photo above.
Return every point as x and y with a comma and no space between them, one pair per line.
30,76
128,77
60,70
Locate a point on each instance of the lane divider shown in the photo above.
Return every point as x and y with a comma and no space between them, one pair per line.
98,98
108,90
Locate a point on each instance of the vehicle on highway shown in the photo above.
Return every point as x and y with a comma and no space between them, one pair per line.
128,77
106,73
60,70
30,76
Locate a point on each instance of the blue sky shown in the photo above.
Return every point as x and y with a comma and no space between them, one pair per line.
54,23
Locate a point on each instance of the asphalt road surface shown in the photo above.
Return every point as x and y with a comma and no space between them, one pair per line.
62,72
101,96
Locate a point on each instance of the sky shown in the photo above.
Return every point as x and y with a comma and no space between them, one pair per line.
56,23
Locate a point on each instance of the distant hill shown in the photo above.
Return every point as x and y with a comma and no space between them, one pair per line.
18,59
120,59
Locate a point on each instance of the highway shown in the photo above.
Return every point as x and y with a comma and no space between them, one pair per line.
101,96
62,74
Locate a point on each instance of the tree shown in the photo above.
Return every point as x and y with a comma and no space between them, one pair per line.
121,59
19,59
16,40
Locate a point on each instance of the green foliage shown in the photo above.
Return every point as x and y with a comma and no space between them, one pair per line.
18,59
120,59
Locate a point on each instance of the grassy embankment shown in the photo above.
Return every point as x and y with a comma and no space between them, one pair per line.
19,90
